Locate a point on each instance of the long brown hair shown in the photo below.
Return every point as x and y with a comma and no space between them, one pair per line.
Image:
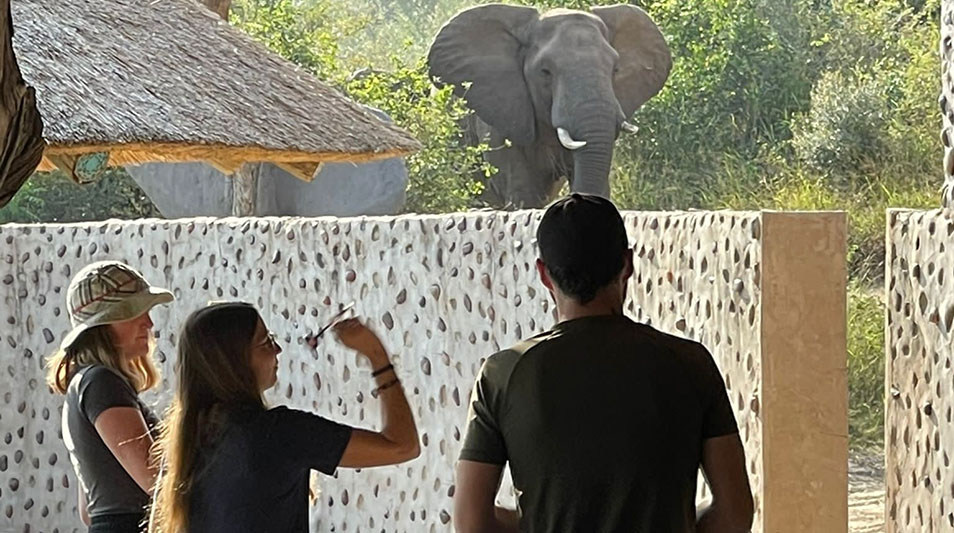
96,346
213,371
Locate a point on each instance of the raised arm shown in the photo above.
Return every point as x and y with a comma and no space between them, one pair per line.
398,440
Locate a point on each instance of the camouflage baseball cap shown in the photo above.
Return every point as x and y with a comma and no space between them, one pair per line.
107,292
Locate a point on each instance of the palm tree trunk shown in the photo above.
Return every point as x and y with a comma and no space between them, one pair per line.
21,129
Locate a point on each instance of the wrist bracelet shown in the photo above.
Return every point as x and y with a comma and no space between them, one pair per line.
387,385
382,370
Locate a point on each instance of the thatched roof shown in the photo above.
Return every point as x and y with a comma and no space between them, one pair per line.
168,80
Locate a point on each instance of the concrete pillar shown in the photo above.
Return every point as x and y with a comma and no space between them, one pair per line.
804,358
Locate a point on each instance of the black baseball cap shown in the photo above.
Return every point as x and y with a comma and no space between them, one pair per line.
582,239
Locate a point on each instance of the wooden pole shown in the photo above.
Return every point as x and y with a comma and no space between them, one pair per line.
21,129
245,189
245,179
221,7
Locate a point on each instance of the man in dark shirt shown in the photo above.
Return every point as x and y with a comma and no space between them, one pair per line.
604,421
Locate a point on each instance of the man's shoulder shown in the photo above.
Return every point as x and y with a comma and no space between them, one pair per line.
525,346
502,363
672,342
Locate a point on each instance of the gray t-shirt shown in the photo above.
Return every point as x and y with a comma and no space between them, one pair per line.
109,489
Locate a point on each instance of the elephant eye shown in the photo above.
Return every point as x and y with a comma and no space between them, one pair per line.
545,72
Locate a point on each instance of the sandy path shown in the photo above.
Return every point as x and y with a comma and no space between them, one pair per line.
866,493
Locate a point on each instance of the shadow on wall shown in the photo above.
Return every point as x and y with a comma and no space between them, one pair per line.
339,189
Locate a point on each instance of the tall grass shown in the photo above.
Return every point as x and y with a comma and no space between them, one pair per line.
865,367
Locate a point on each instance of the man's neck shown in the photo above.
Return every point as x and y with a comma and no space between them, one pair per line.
602,305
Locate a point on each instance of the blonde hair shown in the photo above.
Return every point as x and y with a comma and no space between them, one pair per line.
95,346
214,378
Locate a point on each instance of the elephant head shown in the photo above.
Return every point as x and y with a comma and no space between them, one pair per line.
564,76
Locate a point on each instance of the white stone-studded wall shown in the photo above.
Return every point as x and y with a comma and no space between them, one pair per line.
919,396
946,100
442,291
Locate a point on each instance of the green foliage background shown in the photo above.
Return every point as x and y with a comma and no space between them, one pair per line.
778,104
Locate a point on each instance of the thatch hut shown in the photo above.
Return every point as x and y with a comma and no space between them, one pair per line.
123,82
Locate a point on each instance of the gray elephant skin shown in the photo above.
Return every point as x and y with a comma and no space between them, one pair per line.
338,189
551,91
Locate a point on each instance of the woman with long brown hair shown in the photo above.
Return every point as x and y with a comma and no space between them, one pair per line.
231,463
102,365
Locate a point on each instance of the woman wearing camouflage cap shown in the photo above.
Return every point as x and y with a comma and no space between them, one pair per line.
102,365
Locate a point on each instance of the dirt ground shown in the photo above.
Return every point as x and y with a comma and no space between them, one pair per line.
866,493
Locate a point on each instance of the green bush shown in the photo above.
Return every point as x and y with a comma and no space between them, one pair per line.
53,197
445,175
307,34
846,128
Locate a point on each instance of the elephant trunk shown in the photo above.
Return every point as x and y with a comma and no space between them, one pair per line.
592,161
590,119
591,168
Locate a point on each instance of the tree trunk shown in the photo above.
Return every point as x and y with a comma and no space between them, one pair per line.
221,7
21,129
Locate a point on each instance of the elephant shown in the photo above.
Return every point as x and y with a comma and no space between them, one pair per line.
338,189
551,92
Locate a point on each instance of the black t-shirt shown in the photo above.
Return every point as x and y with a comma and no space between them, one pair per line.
602,420
255,477
109,489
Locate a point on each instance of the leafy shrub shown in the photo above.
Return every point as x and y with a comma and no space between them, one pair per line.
53,197
846,129
445,174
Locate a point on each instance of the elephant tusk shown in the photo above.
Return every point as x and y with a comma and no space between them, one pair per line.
568,141
630,128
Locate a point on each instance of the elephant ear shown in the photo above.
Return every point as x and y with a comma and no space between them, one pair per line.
644,58
482,46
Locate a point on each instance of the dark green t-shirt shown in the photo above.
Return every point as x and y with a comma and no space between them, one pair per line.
602,421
